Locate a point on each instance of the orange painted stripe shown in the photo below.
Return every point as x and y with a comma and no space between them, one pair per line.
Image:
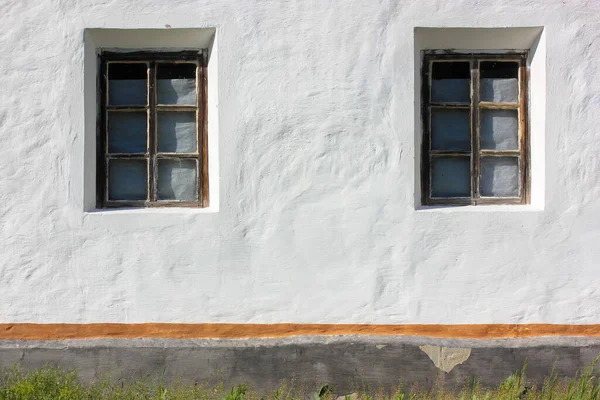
26,331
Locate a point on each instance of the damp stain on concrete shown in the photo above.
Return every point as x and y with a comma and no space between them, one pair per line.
446,358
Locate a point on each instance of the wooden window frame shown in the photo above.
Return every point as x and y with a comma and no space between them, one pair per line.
151,59
475,107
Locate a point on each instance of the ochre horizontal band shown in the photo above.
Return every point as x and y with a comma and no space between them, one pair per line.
26,331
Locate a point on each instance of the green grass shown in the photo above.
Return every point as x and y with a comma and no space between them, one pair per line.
51,383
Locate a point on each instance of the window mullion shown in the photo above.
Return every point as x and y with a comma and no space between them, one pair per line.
152,178
524,191
426,162
475,164
202,128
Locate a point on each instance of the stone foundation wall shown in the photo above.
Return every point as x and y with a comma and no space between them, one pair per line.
346,363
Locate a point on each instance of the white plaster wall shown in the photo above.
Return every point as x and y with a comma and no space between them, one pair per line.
317,219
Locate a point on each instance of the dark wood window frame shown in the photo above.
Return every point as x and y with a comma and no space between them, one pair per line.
151,59
475,107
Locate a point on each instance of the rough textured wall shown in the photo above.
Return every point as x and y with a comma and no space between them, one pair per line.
317,221
347,364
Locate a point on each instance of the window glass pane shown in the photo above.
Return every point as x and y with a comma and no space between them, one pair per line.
177,180
499,81
177,131
450,82
500,129
451,177
499,176
450,129
127,132
127,84
127,179
176,83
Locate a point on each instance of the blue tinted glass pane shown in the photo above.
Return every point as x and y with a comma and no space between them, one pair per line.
177,180
499,176
450,82
127,92
176,83
177,132
127,83
451,177
450,129
499,129
499,81
176,91
127,132
127,179
500,90
450,90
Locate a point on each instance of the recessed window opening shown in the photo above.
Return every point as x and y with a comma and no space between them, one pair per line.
475,144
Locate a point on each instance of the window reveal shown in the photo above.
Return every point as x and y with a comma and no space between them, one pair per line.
475,145
152,147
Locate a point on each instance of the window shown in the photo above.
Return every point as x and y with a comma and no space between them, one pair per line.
152,136
475,144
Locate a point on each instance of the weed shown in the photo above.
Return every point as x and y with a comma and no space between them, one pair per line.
54,383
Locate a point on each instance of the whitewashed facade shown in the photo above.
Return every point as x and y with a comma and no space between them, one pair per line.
314,154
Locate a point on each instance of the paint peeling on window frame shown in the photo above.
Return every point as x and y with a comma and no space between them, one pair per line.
428,57
151,156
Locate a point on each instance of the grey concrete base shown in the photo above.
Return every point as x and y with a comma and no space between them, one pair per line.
346,363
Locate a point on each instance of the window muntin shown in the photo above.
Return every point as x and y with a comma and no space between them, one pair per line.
152,138
475,145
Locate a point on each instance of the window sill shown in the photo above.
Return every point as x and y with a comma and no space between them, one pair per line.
151,211
480,208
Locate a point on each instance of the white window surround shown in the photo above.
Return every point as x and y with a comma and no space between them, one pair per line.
98,39
489,40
